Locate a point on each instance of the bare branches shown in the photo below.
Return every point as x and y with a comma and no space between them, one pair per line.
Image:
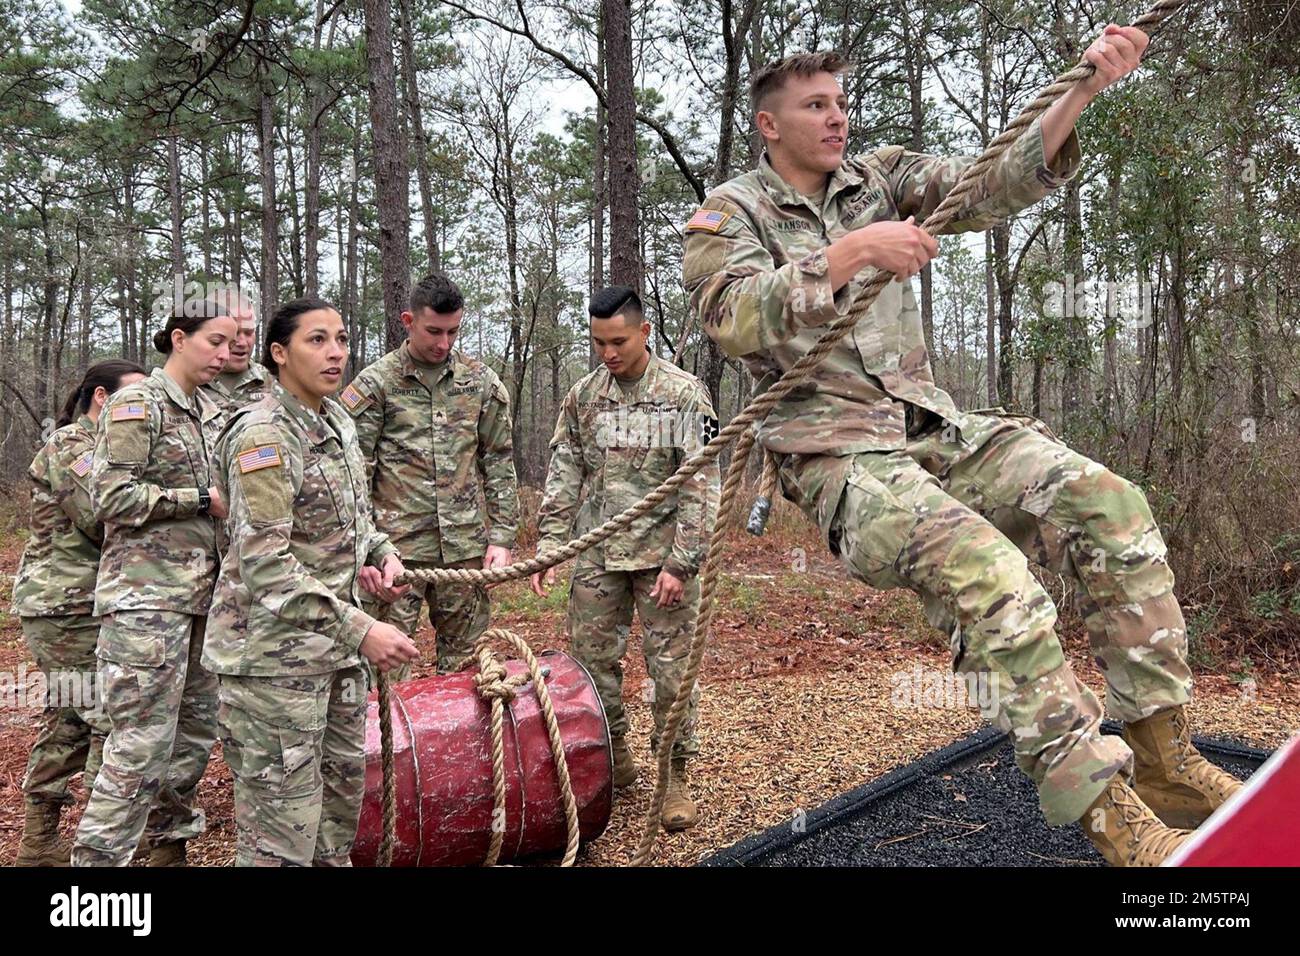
525,30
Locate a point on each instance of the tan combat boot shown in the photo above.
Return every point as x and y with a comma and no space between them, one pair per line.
625,768
170,853
1170,775
1125,831
679,811
41,844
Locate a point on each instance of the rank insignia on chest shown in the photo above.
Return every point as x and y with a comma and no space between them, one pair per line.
351,398
81,467
129,413
263,456
707,220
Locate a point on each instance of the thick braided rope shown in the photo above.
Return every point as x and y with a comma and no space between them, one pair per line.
768,479
390,771
492,683
935,224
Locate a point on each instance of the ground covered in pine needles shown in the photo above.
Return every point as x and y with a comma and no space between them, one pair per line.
799,700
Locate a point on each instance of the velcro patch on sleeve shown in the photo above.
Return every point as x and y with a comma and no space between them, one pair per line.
129,413
81,467
263,456
708,428
351,398
707,220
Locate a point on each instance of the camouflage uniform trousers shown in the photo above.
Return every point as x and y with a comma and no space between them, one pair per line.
73,723
957,525
459,613
600,617
296,747
162,705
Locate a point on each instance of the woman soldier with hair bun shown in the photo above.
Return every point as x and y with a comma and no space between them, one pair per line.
152,489
54,597
287,630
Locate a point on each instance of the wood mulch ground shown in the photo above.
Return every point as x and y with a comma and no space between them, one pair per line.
798,701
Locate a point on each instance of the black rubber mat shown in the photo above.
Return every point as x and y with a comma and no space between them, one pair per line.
965,805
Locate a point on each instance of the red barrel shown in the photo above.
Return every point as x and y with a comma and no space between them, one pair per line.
442,754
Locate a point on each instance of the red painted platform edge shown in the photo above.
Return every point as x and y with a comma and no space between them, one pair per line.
1260,826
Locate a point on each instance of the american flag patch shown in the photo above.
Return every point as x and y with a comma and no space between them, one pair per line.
263,456
351,398
707,220
129,413
81,467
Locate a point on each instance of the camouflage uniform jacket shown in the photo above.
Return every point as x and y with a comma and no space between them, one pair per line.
614,443
232,391
755,267
287,599
152,457
56,575
436,439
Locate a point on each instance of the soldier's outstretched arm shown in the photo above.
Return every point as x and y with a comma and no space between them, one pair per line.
496,464
262,491
125,441
1020,177
563,480
697,498
1041,160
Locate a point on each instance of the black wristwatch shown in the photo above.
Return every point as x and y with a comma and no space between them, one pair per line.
205,501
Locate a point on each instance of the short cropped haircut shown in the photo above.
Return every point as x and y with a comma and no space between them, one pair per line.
769,78
612,300
435,291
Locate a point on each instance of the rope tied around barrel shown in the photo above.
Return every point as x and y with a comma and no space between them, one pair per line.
742,430
495,684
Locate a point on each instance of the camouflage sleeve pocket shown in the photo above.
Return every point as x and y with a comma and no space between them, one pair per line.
261,467
128,434
136,638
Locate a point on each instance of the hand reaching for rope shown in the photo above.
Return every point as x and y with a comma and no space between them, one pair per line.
903,248
1115,54
379,581
542,582
386,647
496,557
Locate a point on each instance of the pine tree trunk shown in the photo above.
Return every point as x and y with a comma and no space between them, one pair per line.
624,180
392,177
270,277
419,142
